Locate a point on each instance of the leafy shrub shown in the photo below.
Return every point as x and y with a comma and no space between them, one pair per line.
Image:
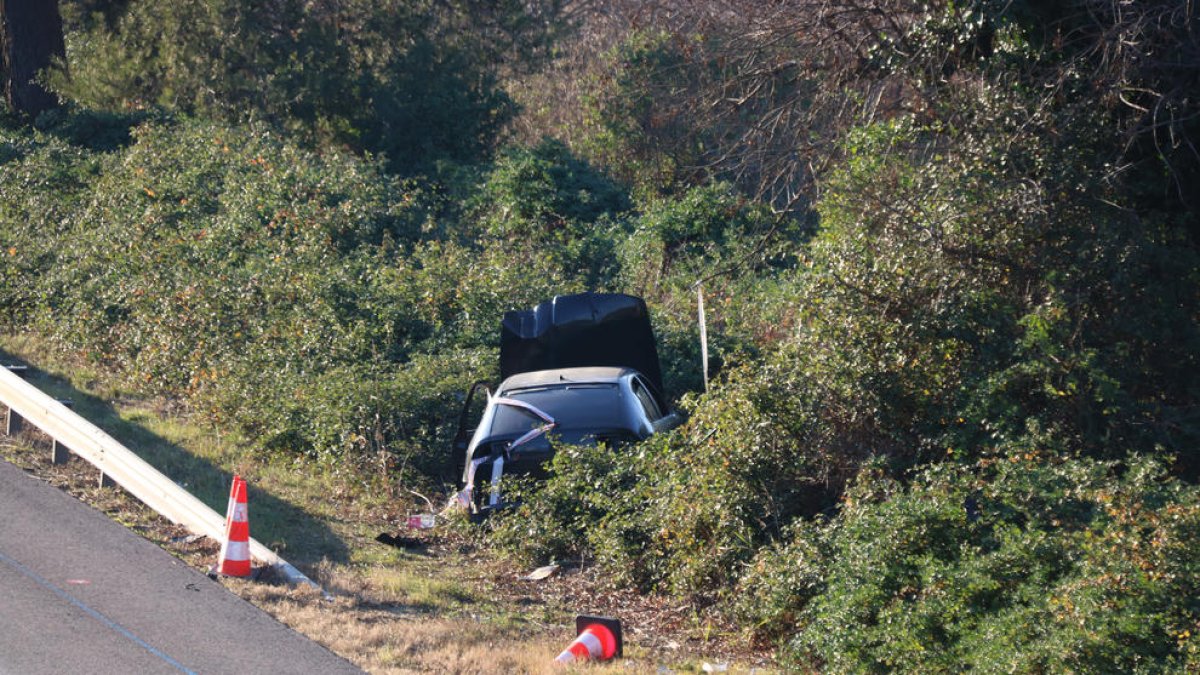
951,300
234,269
984,333
679,511
1021,561
740,252
308,299
545,192
556,520
415,82
630,127
461,291
543,202
43,182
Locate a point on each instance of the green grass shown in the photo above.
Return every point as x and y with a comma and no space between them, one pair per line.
421,591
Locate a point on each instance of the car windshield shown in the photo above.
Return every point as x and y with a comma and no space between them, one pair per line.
573,406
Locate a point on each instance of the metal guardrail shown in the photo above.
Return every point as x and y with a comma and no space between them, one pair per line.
120,465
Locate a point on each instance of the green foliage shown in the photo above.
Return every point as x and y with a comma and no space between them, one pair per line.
558,520
1021,561
681,511
627,129
996,299
460,291
543,202
411,81
43,182
309,299
249,276
703,229
736,247
539,222
544,193
970,287
952,422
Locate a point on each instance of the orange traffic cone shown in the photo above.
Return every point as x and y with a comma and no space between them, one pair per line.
599,639
235,550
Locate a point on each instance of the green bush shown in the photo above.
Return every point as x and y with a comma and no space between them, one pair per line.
545,193
681,511
226,266
413,81
949,305
951,426
1021,561
558,519
969,283
543,202
44,182
631,126
737,249
311,300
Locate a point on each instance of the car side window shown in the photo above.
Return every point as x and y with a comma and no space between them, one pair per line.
647,399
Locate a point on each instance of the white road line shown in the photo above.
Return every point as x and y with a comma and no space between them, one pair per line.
93,613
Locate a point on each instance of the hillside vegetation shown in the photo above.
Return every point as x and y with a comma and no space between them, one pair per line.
949,253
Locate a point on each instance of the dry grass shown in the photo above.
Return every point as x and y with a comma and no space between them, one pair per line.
442,606
389,639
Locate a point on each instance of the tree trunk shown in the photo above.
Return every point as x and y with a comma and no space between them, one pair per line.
31,34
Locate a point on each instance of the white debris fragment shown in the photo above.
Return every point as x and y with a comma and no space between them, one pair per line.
541,573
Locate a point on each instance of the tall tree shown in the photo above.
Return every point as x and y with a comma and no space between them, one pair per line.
31,35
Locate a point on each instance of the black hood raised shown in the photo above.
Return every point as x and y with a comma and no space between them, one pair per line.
586,329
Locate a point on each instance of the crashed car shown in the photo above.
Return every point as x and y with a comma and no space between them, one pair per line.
578,369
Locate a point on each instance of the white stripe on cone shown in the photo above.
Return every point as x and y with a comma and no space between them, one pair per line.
598,638
235,550
585,639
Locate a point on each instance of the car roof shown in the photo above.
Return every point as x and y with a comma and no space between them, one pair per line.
588,375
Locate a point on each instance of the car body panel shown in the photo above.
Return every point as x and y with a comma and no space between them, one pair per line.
586,405
581,330
578,369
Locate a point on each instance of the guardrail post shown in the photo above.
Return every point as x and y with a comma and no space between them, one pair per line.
105,481
12,423
59,453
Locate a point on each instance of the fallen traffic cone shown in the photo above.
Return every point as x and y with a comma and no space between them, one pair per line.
599,640
235,550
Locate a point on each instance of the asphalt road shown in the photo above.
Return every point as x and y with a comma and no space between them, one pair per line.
79,593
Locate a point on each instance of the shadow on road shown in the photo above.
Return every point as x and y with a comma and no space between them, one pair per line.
288,529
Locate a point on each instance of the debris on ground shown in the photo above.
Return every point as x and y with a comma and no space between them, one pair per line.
399,542
542,573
